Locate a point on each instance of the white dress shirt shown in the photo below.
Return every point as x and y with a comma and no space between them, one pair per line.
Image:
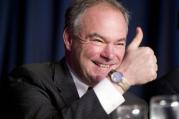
106,93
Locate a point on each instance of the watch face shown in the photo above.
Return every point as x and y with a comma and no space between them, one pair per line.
116,77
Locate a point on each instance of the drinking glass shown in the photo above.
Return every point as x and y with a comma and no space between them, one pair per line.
132,112
164,107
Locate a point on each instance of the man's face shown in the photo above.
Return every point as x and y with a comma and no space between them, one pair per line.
100,45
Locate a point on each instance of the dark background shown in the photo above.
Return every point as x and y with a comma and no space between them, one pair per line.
31,32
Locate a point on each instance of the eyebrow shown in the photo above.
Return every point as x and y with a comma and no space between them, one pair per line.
98,35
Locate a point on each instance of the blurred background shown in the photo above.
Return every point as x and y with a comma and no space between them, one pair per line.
31,32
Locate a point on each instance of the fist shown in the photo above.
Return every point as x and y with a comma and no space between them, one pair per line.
139,65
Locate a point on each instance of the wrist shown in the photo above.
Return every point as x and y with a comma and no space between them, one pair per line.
118,79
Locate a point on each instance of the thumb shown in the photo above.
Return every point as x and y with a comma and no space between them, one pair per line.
137,39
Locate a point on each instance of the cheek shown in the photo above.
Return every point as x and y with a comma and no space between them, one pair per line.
123,52
120,54
91,51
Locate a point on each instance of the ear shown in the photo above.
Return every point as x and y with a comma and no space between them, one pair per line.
67,39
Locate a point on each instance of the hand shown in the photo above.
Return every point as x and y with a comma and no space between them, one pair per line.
139,65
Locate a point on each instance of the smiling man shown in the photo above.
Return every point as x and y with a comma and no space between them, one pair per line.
100,43
96,56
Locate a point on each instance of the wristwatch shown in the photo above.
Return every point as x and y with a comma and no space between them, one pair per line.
119,79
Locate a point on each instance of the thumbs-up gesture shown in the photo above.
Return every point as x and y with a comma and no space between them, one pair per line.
139,65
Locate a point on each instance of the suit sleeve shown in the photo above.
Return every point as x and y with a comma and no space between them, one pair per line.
30,98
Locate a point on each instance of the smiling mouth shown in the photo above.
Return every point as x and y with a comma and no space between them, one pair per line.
102,65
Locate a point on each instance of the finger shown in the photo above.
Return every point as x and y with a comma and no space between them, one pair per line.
156,67
137,39
155,59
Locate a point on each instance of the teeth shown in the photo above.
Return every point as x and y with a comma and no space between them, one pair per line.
104,65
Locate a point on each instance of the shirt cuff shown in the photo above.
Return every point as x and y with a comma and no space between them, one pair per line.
108,95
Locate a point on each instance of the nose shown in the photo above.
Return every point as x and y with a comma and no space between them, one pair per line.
108,52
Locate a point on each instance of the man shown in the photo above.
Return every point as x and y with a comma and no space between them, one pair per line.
95,56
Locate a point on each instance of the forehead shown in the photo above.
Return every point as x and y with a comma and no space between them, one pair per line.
105,20
102,8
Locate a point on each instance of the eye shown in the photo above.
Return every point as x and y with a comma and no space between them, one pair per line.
120,44
97,41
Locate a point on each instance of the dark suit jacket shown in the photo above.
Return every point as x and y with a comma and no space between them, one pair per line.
47,91
166,85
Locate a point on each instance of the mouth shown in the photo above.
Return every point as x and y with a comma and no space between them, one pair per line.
102,65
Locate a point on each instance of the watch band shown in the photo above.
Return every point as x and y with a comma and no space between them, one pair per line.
124,84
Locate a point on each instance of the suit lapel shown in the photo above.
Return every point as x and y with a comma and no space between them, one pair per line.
65,83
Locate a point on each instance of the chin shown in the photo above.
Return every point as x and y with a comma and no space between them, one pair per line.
98,78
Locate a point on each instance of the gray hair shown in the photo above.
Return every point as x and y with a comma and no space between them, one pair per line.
77,8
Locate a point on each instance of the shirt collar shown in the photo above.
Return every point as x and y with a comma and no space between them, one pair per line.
81,87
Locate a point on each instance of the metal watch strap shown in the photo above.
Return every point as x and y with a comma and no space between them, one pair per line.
124,84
